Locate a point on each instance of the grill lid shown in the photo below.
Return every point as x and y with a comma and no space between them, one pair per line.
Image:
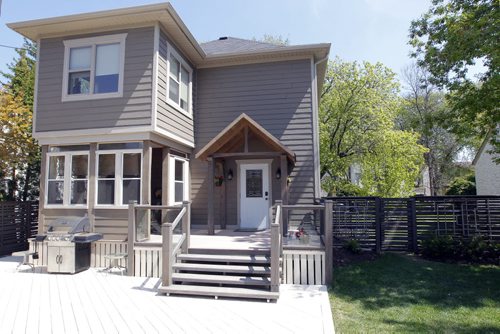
70,225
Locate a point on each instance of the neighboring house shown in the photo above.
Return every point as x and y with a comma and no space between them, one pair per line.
487,172
128,104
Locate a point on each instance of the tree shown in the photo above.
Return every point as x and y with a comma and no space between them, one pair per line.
450,38
424,110
24,172
273,39
359,104
463,185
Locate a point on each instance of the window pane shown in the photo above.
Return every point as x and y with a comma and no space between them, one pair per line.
254,182
106,166
131,191
56,167
119,146
132,165
173,91
184,88
79,192
107,68
179,191
106,192
79,166
179,168
69,148
79,58
79,83
174,68
55,192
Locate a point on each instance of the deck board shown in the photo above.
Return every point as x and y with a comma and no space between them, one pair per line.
97,302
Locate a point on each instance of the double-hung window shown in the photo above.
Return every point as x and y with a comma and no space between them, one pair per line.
67,176
119,172
93,67
179,84
178,180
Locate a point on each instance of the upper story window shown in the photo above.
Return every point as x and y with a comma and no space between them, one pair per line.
179,83
93,67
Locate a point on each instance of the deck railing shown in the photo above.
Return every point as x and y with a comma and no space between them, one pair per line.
139,230
276,247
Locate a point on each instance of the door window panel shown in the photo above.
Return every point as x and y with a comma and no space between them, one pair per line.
254,184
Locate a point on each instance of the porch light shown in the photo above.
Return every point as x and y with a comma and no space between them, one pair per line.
230,175
278,174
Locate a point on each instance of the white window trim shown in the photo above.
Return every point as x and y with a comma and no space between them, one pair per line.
189,112
171,179
92,42
68,161
118,178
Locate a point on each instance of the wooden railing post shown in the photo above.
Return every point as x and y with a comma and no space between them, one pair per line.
131,238
412,225
186,226
167,246
280,204
328,240
275,253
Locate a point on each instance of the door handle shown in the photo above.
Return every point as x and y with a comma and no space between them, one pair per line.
60,259
266,193
57,259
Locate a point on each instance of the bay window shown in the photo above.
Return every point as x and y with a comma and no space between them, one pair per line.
179,82
93,67
119,172
178,180
67,178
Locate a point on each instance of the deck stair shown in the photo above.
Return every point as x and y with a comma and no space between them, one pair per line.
222,273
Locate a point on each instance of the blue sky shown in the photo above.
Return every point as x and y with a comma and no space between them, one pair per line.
371,30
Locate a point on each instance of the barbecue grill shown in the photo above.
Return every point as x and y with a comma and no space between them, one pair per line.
68,242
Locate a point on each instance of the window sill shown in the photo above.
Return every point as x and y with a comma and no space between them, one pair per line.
179,109
85,97
111,207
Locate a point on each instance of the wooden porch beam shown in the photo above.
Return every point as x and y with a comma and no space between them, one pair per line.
92,185
246,154
43,191
164,181
246,139
211,194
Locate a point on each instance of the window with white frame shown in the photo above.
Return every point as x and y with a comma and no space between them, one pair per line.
93,67
179,82
119,174
67,178
178,186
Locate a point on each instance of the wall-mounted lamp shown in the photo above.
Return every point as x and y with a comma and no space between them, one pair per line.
278,174
230,175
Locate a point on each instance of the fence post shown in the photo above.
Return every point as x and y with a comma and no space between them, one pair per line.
412,225
379,219
186,226
328,220
131,238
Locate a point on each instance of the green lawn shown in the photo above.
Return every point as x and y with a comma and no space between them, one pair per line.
404,294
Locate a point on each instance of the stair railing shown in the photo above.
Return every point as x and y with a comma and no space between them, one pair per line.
276,247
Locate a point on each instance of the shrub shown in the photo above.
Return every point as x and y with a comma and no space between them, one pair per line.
440,247
474,250
462,185
353,246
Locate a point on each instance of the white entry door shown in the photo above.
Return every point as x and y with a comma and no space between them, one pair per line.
254,196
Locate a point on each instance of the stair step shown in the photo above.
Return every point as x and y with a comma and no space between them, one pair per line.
220,279
222,268
218,251
254,259
218,292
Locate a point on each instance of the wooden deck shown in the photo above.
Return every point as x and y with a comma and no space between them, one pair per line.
96,302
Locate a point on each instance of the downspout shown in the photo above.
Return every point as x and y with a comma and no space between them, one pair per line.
317,181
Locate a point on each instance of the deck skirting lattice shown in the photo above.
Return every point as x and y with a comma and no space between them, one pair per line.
303,267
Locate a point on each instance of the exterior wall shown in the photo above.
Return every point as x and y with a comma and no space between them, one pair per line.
133,109
168,117
278,96
487,174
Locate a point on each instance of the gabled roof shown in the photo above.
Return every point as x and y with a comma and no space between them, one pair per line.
236,45
234,129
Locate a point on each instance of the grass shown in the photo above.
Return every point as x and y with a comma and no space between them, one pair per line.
403,294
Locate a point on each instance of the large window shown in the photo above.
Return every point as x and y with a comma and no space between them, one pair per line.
118,174
67,178
178,180
179,82
93,67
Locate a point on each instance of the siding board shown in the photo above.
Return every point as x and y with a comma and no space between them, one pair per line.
55,115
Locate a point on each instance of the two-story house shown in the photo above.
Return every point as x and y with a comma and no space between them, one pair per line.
129,106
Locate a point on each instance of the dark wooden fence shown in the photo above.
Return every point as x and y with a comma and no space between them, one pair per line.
400,224
18,222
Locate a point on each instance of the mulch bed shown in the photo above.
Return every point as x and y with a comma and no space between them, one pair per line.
343,257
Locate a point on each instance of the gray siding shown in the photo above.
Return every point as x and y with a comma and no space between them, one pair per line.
487,174
168,117
133,109
277,95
